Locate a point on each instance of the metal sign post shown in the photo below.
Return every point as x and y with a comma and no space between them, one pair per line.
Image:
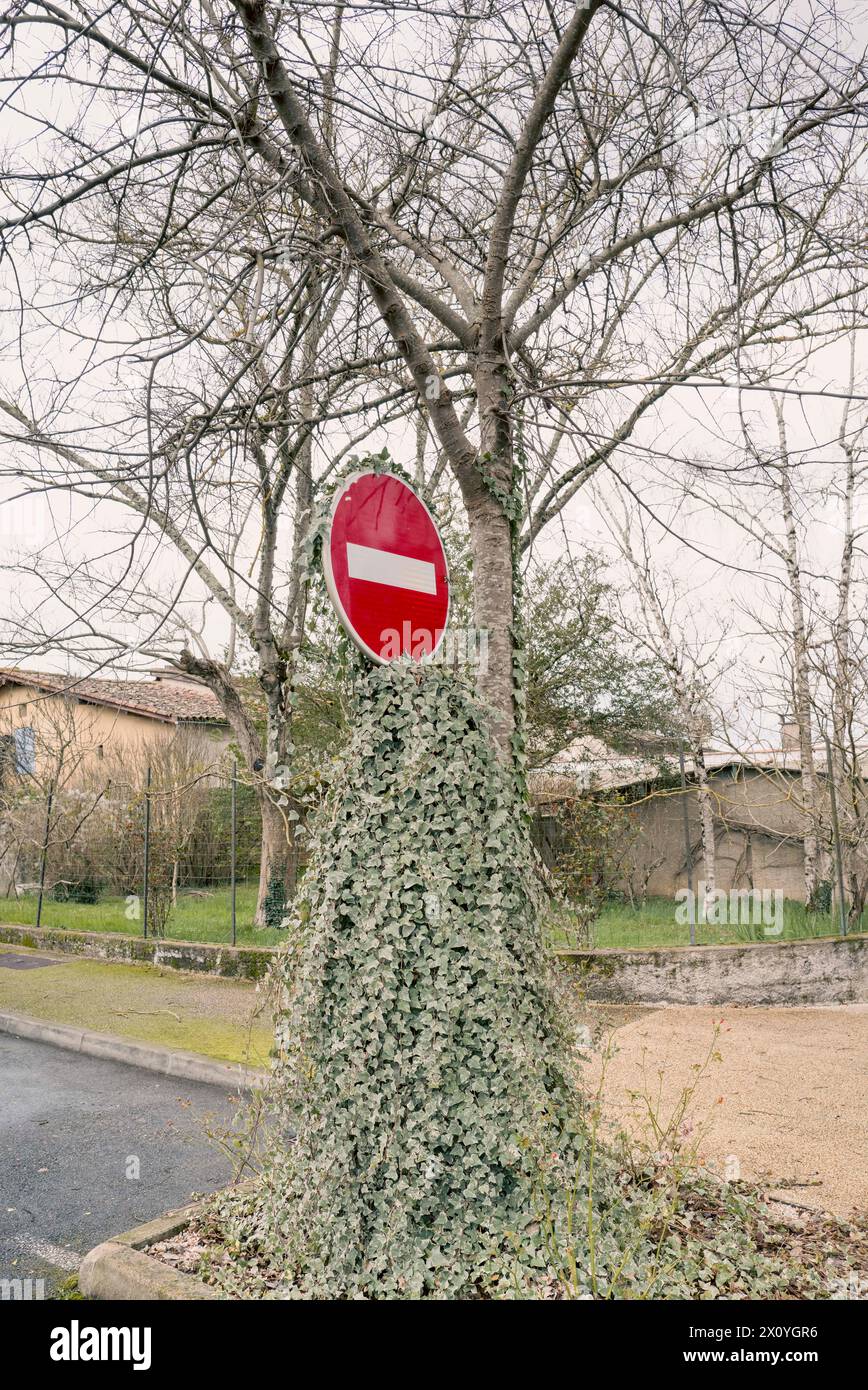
45,840
147,863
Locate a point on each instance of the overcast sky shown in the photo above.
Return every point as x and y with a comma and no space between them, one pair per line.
722,576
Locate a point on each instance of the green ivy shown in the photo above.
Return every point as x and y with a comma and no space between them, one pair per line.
426,1134
421,1059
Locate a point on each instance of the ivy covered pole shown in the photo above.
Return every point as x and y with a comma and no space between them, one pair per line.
422,1060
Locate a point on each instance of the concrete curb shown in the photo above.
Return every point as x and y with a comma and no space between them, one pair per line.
121,1271
187,1065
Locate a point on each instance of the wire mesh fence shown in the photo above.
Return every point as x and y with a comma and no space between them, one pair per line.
150,855
171,846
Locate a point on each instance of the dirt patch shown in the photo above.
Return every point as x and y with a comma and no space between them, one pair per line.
785,1104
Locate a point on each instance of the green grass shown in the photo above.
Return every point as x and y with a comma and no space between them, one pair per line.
654,924
205,915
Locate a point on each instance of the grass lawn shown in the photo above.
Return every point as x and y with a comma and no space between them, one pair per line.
206,916
654,924
225,1019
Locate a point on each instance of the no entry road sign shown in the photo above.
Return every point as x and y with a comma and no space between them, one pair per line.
385,568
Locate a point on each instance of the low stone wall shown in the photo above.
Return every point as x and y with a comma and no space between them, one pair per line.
233,962
827,970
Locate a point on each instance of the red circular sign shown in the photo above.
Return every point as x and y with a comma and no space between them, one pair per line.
385,568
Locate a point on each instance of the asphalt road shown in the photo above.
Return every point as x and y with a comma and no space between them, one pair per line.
71,1128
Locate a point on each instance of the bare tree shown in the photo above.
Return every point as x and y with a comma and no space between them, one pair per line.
215,463
45,801
841,665
206,512
760,493
686,664
555,213
174,774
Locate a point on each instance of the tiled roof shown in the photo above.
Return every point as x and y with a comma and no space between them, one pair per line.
167,700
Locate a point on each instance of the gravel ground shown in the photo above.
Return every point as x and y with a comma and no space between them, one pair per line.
787,1099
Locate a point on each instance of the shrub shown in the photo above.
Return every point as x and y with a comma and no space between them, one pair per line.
592,861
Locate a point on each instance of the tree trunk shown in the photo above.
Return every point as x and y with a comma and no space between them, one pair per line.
706,820
493,614
845,761
278,852
811,839
486,495
277,863
801,678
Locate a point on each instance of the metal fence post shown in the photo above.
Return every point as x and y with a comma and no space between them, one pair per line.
691,906
147,864
44,856
836,834
233,840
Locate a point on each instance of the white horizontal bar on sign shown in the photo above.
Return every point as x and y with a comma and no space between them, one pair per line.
384,567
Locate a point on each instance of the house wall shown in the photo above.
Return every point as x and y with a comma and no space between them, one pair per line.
85,735
759,822
758,819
